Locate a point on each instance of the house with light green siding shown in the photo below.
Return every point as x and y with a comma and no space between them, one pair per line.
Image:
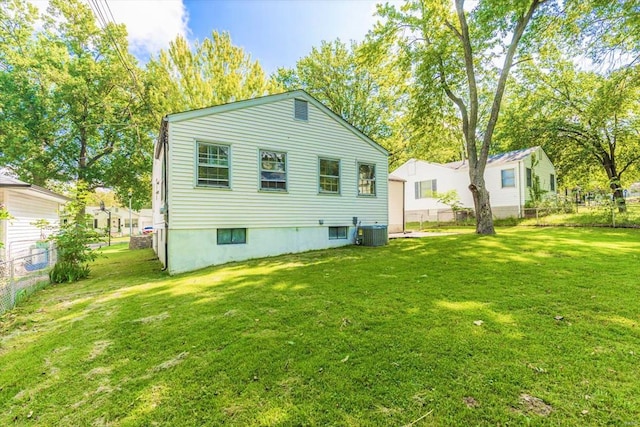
261,177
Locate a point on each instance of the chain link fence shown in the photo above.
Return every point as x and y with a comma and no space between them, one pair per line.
23,275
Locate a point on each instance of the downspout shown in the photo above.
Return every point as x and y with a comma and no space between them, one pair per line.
520,190
404,224
165,182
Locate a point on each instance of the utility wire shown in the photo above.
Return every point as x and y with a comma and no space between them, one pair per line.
104,20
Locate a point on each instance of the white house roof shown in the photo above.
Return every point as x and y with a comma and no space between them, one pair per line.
9,182
497,159
396,178
237,105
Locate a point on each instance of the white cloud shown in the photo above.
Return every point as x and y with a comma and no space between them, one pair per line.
151,24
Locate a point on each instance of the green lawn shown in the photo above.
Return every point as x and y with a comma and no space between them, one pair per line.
449,330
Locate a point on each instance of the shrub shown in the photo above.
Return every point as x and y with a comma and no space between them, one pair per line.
74,253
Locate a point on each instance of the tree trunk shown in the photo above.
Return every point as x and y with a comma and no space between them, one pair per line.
614,181
618,197
484,216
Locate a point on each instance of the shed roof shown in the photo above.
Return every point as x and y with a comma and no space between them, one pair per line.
10,182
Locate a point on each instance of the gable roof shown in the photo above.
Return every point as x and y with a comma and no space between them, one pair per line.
9,182
497,159
248,103
422,162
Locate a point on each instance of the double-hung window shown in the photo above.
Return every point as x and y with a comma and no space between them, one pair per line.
426,189
552,182
529,177
329,180
273,170
366,179
508,177
213,165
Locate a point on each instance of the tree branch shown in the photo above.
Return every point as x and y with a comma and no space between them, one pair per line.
504,74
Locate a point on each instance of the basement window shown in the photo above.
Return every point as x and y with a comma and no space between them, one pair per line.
301,109
336,233
232,236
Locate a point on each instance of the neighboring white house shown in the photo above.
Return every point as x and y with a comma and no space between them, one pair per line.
509,178
26,203
120,217
261,177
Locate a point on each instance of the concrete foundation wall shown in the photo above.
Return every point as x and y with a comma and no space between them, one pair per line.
194,249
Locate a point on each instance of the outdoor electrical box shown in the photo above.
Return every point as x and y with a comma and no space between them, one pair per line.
373,235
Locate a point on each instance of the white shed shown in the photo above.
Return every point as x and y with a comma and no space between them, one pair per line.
509,178
261,177
26,203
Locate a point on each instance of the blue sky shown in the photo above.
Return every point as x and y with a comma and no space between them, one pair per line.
275,32
279,32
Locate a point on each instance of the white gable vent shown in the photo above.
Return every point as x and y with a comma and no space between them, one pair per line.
301,109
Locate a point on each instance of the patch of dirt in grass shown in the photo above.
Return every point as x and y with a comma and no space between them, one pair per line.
470,402
232,410
388,411
171,362
156,318
101,370
534,405
99,347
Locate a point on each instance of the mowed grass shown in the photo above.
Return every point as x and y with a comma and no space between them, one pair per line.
530,327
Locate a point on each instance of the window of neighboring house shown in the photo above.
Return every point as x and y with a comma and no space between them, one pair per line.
300,109
273,171
336,233
329,176
529,177
426,189
552,182
366,179
95,223
232,236
213,165
508,177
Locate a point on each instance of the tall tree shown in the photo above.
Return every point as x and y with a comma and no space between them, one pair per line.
454,52
212,72
606,30
90,122
362,85
587,121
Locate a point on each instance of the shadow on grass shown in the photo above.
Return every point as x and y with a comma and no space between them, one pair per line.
348,336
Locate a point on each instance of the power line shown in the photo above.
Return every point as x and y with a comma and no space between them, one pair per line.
104,20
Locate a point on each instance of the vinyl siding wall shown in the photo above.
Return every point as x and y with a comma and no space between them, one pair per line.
272,127
276,222
505,201
25,208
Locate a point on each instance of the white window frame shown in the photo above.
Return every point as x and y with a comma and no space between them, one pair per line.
513,173
366,181
321,176
261,170
199,164
429,192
